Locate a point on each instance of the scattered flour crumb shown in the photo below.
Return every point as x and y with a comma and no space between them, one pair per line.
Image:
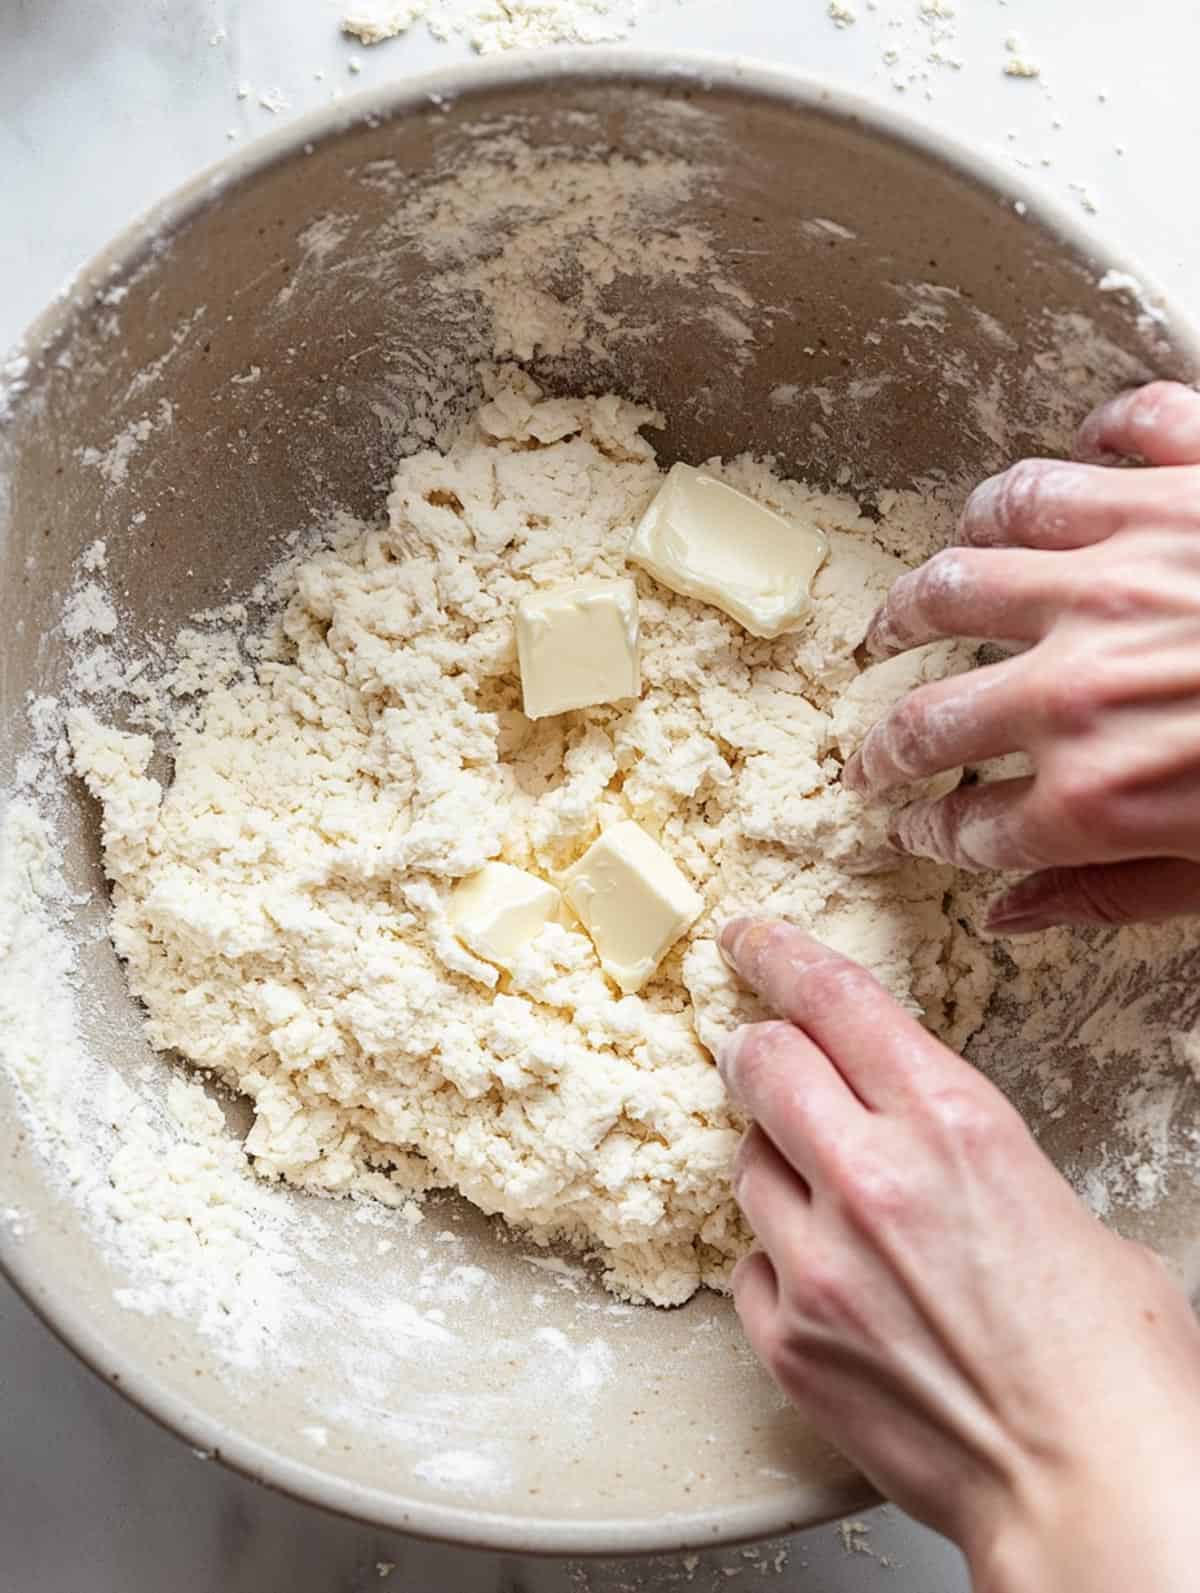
372,23
1086,197
493,25
1149,313
1018,63
855,1536
113,462
89,609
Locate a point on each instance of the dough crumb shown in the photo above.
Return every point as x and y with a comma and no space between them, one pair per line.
1018,63
282,905
374,23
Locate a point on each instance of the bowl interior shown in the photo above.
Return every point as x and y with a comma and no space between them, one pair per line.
779,273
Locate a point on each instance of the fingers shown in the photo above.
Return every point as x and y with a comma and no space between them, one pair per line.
977,827
965,719
1055,506
990,594
882,1053
1115,893
789,1086
773,1196
756,1299
1159,423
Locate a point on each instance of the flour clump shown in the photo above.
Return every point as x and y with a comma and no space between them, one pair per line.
283,902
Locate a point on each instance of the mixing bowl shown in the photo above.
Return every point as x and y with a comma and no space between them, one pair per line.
780,268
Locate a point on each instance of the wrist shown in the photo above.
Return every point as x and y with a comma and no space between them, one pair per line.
1106,1526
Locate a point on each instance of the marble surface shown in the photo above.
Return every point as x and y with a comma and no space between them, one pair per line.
105,106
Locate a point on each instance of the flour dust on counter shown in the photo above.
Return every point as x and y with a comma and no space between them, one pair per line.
286,906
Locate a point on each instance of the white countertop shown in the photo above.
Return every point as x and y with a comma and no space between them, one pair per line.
107,105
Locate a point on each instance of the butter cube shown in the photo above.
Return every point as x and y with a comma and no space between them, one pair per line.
632,900
495,911
578,646
706,540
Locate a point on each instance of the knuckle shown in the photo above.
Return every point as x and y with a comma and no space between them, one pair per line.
974,1122
1086,803
1068,700
1020,494
793,1369
833,982
908,734
940,579
821,1292
876,1191
759,1046
1113,595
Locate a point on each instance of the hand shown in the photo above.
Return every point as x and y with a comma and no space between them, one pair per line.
1098,572
932,1296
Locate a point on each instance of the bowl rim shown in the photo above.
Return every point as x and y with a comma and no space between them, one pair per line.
805,1505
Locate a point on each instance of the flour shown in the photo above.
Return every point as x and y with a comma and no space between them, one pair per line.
578,217
492,25
89,609
372,24
113,460
209,1243
202,1239
281,907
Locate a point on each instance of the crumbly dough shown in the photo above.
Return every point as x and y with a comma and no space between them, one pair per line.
281,905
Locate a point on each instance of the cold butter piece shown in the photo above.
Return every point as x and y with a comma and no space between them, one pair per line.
633,901
709,541
578,646
495,911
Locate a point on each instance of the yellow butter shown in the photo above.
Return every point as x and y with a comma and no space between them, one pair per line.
496,910
709,541
578,646
633,901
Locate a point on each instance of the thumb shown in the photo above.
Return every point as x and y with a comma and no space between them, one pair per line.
1142,892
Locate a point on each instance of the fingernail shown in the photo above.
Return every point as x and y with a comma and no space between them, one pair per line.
852,773
1016,923
907,832
727,942
977,513
727,1053
895,836
880,640
738,1166
1026,906
1013,913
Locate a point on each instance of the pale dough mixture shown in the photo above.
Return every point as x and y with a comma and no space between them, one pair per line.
281,905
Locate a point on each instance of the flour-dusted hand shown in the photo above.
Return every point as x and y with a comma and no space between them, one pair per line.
933,1297
1097,571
